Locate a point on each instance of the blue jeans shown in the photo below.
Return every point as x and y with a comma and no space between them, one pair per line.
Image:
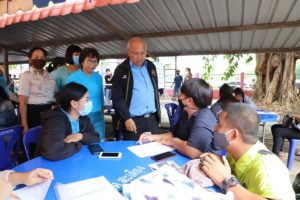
108,94
176,92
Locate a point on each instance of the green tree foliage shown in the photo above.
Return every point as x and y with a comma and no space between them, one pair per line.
208,65
233,62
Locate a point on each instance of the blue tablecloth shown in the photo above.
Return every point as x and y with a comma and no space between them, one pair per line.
267,116
84,165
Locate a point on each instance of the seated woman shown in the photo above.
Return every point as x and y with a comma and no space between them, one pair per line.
193,133
226,96
241,97
280,133
7,111
66,128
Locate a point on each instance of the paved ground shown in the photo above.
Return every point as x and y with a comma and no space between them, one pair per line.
269,141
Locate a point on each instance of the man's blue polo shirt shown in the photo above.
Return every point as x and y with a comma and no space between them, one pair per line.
143,98
198,130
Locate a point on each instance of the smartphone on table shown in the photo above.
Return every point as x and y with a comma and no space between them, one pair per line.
111,155
95,149
163,156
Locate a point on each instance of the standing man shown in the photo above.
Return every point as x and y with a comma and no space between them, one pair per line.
135,93
177,82
108,83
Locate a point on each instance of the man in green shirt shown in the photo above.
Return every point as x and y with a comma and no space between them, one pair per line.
250,171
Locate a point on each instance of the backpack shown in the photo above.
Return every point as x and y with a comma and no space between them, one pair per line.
296,186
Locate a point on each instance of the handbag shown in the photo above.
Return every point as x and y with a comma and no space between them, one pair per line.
288,122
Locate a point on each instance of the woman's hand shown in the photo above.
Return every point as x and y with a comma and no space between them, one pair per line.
6,189
36,176
73,138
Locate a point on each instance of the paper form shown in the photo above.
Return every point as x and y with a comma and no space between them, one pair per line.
35,192
94,188
149,149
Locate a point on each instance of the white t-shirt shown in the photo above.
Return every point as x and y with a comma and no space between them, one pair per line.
39,88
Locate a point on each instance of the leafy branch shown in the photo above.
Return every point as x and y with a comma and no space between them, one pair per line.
208,66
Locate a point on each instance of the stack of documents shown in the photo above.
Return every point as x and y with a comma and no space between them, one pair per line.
90,189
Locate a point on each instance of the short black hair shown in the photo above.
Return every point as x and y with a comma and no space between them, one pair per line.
58,61
36,48
244,118
107,70
226,95
71,91
88,52
199,90
69,53
239,91
3,94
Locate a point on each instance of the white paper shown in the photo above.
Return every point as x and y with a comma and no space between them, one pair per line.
149,149
94,188
35,192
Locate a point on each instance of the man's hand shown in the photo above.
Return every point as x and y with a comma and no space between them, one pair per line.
145,137
73,138
166,141
130,125
217,170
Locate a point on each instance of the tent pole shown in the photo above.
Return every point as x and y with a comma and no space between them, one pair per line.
6,70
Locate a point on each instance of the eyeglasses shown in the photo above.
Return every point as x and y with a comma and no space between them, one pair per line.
92,62
183,98
143,53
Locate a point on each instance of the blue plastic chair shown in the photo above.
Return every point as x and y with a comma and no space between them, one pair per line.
292,149
171,108
31,137
9,146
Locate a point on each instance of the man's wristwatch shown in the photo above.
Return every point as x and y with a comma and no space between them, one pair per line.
229,182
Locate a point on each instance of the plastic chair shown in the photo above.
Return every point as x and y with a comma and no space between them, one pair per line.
292,149
9,146
171,108
31,137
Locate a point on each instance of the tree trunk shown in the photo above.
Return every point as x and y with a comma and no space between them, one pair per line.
276,78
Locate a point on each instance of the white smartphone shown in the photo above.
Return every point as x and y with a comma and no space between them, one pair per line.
110,155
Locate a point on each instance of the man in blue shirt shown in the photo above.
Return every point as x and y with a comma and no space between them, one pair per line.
177,81
135,93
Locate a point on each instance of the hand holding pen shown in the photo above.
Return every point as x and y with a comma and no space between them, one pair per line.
145,137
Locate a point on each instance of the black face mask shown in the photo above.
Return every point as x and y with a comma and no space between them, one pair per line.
38,63
181,106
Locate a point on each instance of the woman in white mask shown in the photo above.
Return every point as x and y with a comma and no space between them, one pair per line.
67,128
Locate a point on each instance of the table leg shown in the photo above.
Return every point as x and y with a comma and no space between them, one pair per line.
263,133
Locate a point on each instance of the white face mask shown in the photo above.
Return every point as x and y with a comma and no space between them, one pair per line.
88,107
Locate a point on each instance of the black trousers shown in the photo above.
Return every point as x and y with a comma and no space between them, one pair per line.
33,114
143,124
280,133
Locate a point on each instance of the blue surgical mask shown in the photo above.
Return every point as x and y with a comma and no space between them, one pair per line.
76,60
220,139
88,107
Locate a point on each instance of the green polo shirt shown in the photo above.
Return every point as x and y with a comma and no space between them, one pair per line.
262,173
